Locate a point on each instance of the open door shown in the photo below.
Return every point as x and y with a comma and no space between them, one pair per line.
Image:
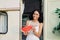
29,6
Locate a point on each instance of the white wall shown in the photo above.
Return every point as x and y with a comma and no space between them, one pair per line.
22,7
13,27
51,19
9,3
13,20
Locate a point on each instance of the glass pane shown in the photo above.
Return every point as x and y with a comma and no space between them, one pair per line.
3,22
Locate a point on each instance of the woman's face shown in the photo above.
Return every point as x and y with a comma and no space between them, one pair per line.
36,15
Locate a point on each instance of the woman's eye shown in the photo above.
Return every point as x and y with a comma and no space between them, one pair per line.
36,14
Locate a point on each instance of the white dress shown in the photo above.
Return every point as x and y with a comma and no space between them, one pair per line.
31,35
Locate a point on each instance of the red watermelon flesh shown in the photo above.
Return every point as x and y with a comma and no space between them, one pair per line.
26,28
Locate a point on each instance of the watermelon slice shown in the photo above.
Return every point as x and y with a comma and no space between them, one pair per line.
26,28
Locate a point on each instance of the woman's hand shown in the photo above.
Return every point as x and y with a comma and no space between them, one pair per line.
38,34
25,33
34,31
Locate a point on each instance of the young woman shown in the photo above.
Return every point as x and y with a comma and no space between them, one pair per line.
36,30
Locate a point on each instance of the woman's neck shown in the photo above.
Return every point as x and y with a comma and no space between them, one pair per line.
35,20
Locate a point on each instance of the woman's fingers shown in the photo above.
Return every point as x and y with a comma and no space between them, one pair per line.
25,33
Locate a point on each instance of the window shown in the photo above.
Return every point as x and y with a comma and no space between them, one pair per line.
3,22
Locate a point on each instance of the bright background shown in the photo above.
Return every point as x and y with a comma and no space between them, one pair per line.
50,19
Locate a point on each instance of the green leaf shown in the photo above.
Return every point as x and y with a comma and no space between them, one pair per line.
59,16
58,9
56,12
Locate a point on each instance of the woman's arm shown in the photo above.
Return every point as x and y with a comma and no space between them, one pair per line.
27,23
38,34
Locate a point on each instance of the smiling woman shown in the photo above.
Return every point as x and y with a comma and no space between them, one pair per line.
32,16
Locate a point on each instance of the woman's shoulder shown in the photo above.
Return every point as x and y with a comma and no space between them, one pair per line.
40,23
29,20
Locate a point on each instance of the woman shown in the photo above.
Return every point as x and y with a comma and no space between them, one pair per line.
36,30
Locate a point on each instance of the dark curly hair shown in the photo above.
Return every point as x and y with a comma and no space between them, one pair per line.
40,18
